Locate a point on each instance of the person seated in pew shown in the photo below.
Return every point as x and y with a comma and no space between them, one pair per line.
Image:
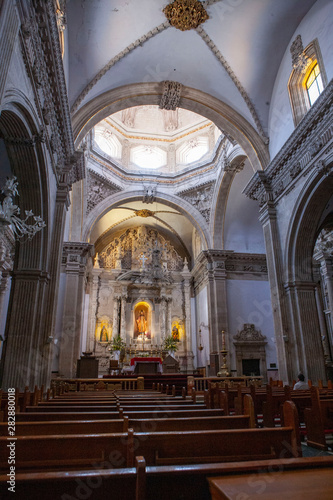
301,384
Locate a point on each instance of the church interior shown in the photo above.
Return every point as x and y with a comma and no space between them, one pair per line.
166,192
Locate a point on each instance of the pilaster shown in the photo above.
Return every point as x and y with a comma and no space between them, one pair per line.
75,258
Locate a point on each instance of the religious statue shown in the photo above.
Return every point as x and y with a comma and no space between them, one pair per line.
141,322
103,337
175,333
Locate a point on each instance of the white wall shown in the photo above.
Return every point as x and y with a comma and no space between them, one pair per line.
242,229
318,23
250,302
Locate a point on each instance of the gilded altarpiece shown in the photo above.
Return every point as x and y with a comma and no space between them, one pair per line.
140,290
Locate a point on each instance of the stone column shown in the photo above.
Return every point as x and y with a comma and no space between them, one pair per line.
123,314
187,310
285,357
306,332
116,305
75,255
211,263
94,285
51,299
23,359
163,317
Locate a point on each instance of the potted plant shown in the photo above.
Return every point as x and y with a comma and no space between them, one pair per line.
170,345
117,345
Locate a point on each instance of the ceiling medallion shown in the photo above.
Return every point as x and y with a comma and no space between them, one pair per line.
185,14
144,213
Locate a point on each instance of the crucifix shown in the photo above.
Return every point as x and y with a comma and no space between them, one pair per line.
143,258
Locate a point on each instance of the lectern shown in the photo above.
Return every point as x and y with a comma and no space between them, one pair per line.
87,367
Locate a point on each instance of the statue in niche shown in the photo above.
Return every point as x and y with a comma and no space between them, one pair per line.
103,337
141,323
175,333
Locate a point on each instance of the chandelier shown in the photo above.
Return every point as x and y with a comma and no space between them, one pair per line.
9,213
185,14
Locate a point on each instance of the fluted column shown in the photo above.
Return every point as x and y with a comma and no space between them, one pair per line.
123,315
305,338
94,285
76,256
23,352
285,354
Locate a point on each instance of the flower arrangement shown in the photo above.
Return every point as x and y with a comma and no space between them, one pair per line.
170,344
117,344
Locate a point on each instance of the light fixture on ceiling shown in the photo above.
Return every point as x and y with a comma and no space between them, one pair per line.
185,14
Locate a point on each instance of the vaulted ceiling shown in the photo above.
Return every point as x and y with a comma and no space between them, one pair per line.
233,56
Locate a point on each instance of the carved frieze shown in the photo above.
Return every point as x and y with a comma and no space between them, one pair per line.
250,334
201,198
42,55
171,95
144,250
98,188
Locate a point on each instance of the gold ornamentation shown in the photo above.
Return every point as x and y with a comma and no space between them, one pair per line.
144,213
185,14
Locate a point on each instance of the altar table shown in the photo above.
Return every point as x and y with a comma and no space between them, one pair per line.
147,365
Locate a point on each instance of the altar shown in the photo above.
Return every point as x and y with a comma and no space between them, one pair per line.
145,365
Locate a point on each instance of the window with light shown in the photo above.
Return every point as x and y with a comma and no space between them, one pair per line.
314,84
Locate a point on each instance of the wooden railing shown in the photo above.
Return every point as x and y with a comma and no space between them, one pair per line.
59,386
200,384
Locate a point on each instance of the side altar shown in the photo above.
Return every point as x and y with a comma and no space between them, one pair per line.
140,291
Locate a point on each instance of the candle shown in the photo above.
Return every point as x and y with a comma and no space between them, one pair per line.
223,339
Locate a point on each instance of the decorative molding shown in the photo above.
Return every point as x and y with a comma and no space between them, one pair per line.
149,195
171,95
98,188
138,43
211,45
75,256
201,198
249,334
185,14
42,55
141,249
308,148
300,61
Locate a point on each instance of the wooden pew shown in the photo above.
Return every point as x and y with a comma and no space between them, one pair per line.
169,413
318,420
59,427
67,451
165,448
143,482
190,424
77,415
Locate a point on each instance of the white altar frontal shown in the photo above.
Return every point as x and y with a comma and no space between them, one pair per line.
140,290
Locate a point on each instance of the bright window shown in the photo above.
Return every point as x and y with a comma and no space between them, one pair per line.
314,84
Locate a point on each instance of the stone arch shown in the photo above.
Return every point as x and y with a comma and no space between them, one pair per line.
302,233
137,94
25,361
220,198
172,201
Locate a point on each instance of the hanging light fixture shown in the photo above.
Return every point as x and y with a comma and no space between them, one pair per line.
9,213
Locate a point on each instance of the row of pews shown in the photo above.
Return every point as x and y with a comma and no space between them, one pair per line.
314,407
145,444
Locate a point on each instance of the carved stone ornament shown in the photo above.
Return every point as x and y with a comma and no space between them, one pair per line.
185,14
171,95
249,334
299,59
144,213
200,198
98,188
149,194
324,243
142,250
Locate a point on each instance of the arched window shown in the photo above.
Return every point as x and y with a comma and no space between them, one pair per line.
308,78
314,84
